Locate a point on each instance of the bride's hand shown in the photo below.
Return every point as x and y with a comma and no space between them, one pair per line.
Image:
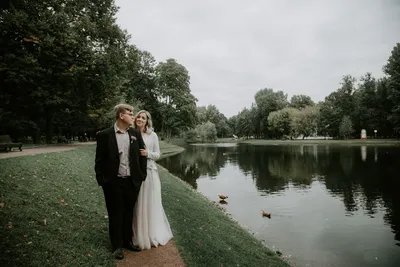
143,152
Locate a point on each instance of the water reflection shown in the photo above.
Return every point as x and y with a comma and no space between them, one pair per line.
365,182
197,161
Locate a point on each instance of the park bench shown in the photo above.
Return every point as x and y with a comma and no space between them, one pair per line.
7,144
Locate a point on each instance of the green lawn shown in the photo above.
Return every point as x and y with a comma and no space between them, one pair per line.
168,149
52,213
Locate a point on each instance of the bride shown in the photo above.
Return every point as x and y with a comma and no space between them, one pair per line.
150,224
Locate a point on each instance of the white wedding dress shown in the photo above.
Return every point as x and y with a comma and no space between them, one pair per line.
150,224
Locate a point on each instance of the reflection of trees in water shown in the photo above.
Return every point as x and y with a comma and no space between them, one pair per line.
359,179
254,161
297,164
176,166
272,167
338,179
382,182
197,161
346,160
368,183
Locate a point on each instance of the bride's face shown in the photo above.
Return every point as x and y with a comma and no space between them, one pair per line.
141,120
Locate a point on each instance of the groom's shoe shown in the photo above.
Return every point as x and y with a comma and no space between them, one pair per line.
132,247
118,254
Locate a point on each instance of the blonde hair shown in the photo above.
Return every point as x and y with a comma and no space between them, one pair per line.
149,123
122,108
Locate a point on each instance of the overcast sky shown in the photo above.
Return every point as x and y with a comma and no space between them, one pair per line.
234,48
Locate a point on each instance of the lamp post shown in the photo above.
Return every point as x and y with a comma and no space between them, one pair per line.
375,131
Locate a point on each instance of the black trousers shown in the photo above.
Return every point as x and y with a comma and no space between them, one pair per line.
120,196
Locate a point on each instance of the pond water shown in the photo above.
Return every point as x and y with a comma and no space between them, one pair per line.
330,205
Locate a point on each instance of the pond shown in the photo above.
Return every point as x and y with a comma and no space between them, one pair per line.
330,205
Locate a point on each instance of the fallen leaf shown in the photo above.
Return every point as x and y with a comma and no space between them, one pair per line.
1,204
25,236
62,200
90,255
10,225
44,221
30,242
197,243
105,217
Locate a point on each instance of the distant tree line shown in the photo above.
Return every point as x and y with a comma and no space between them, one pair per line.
370,104
65,64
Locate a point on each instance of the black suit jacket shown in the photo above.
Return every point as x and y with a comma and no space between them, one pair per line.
107,157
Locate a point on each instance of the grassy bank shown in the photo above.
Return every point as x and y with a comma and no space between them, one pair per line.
351,142
168,149
182,142
52,213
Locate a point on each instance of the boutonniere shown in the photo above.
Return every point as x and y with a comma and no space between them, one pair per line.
133,139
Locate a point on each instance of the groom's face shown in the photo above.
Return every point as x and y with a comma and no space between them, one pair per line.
127,117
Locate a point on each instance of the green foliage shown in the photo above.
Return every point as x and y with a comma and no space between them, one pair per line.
392,69
301,101
68,63
346,127
212,114
268,101
178,105
281,122
305,121
205,132
63,58
293,122
367,113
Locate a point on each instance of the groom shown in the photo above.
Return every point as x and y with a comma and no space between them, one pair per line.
120,171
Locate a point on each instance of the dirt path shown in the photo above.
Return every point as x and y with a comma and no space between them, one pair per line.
162,256
39,150
165,256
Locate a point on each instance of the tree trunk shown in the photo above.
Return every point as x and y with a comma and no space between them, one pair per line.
49,129
36,136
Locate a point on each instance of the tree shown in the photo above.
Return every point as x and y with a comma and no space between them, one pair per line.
212,114
346,127
281,122
63,59
178,105
205,132
243,124
392,69
336,105
301,101
366,113
305,121
385,107
140,85
268,101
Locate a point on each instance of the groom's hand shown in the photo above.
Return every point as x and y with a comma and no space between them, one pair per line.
143,152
